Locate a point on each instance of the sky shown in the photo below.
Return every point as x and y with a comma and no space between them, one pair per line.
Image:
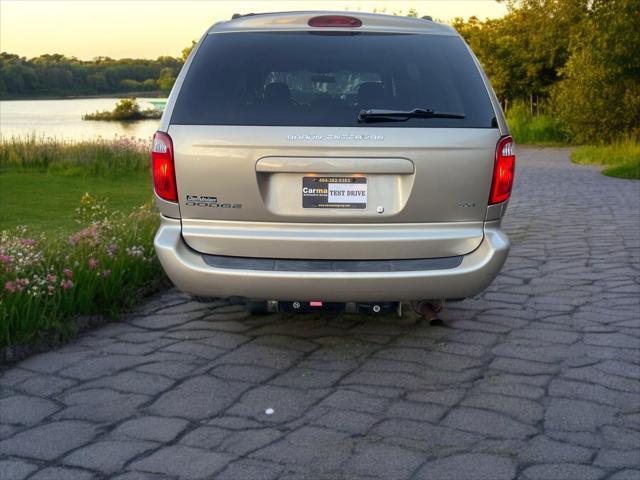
151,28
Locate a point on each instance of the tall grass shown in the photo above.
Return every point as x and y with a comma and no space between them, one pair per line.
620,159
540,129
46,281
116,157
98,265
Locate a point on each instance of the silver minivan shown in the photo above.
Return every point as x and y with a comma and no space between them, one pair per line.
320,158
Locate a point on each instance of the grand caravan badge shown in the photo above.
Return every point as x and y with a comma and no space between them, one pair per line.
354,137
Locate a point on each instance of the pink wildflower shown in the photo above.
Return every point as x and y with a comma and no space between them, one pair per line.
89,235
93,263
28,241
21,283
67,273
52,278
10,287
66,284
6,259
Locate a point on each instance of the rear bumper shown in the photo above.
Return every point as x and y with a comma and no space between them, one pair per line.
191,273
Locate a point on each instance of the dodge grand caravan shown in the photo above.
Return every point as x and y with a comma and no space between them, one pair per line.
310,157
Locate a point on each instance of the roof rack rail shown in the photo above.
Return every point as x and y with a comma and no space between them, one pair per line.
239,15
427,17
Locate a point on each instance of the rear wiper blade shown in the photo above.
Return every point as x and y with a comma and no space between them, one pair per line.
378,115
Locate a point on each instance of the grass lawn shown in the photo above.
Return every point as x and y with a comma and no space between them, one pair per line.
46,202
56,269
619,159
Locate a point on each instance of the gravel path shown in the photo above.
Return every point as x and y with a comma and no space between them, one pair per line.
537,378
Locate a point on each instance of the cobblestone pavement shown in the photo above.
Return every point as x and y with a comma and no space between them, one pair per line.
537,378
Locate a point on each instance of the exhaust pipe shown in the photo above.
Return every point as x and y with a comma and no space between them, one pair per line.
429,310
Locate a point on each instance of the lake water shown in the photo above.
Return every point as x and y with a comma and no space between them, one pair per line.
63,119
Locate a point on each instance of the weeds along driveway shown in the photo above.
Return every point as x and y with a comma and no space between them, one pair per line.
536,378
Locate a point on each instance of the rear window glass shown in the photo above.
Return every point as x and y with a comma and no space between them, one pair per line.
325,79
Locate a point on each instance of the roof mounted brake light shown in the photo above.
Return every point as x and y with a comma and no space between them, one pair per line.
334,21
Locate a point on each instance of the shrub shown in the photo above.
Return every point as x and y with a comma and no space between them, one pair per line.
534,129
126,109
46,281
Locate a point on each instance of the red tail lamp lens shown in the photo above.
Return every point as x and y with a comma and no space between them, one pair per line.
334,21
164,174
503,171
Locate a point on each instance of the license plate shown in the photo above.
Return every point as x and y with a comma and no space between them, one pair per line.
334,192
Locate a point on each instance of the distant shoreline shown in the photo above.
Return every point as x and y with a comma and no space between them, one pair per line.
146,94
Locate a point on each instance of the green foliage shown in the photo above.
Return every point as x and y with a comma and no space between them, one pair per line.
99,157
540,129
621,159
186,51
46,280
57,75
167,79
134,86
598,98
127,109
579,58
522,51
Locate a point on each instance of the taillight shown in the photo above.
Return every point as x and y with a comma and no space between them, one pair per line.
334,21
503,171
164,175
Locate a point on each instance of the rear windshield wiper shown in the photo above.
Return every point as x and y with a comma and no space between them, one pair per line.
377,115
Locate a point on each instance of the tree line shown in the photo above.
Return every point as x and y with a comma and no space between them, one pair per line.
577,60
59,75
